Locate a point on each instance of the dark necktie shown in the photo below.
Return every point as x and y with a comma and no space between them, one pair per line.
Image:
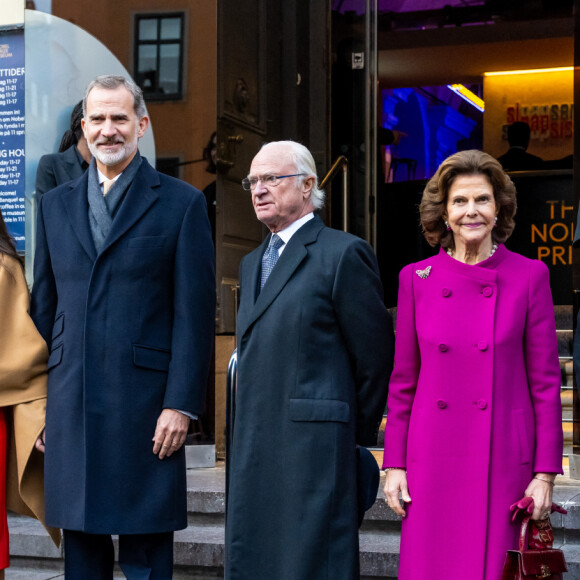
270,257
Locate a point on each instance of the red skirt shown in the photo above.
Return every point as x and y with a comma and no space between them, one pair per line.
4,557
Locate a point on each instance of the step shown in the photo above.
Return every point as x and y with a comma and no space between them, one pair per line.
564,315
30,573
565,342
199,549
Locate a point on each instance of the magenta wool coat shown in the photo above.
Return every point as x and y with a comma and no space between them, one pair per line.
473,409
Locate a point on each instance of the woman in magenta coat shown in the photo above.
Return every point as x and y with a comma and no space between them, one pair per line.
474,415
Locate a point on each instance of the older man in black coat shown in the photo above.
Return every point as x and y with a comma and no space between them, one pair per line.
124,295
315,349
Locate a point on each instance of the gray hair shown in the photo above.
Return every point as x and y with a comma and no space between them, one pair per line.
304,163
111,82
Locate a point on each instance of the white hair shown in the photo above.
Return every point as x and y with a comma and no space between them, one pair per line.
304,163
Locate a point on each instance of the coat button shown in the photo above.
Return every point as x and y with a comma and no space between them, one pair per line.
443,347
441,404
446,292
481,404
482,345
487,291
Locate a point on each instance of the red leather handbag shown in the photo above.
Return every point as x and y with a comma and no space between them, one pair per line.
538,559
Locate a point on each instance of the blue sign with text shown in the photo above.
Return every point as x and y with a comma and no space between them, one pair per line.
12,138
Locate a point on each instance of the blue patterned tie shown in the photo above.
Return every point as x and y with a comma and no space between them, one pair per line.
270,257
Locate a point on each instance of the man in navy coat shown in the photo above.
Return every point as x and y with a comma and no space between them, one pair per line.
124,295
315,350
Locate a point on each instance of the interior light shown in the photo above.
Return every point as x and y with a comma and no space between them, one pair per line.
529,71
468,96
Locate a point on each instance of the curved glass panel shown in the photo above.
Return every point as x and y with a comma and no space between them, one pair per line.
61,60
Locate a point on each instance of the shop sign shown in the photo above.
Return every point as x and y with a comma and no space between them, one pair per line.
546,121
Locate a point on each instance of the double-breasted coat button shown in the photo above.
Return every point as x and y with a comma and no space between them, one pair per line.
482,345
487,291
481,404
443,347
446,292
441,404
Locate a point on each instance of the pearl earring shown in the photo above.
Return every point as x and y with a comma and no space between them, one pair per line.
447,225
495,222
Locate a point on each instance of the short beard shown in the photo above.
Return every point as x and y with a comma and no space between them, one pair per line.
112,159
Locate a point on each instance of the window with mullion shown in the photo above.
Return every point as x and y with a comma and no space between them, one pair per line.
158,60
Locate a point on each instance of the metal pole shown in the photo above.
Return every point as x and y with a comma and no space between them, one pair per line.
371,93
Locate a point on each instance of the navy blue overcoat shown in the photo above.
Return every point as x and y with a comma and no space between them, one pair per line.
130,332
315,351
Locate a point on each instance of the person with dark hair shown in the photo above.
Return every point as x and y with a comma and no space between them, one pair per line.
517,158
74,134
124,295
474,418
23,357
70,162
210,153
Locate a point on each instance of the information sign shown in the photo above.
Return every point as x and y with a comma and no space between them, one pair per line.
12,138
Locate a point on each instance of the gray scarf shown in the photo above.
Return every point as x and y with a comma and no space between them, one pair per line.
103,208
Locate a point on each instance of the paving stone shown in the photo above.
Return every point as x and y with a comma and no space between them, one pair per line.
213,479
26,574
197,456
200,546
206,490
379,554
572,555
29,538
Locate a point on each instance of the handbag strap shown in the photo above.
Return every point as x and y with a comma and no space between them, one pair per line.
523,533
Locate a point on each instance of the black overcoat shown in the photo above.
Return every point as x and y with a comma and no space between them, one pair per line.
130,332
58,168
315,350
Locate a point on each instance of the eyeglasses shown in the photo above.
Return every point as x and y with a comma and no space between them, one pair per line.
250,183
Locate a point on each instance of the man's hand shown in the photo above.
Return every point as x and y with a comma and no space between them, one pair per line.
170,432
40,442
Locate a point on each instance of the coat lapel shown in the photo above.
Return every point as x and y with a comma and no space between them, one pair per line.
253,270
292,256
77,208
249,279
138,199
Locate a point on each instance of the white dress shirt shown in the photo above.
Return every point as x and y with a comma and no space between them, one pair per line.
288,232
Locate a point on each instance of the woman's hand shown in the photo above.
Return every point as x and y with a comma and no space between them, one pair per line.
540,490
395,484
39,444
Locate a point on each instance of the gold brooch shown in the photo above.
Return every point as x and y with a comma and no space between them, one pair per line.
423,273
